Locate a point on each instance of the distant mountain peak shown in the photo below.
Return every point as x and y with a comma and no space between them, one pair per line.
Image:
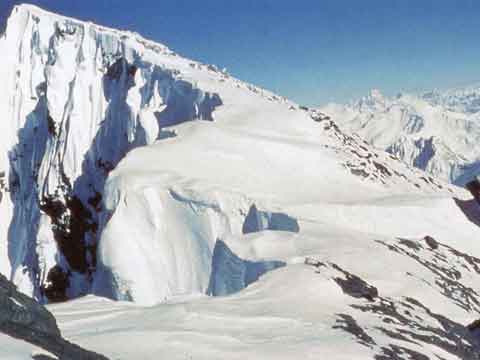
449,119
376,94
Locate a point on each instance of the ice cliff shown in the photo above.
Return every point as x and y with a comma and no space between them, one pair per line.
110,185
75,98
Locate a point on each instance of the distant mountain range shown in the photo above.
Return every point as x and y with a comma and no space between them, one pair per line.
438,132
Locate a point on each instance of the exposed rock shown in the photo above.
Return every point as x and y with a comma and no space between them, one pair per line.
57,284
471,210
2,184
474,326
431,242
447,278
318,116
447,335
348,324
313,262
410,244
23,318
56,169
395,352
474,187
355,286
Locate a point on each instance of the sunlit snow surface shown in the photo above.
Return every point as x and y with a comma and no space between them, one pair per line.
438,132
292,312
13,349
273,207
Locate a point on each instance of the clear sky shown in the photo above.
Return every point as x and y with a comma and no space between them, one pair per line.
313,51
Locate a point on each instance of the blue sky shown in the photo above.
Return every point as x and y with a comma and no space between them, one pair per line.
313,51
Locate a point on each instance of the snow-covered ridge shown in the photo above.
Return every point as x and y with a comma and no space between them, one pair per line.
438,132
463,99
75,98
39,12
111,184
252,227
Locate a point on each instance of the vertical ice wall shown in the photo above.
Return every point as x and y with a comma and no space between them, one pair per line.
74,99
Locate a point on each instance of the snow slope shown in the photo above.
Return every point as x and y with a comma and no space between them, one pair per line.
14,349
426,296
200,185
226,221
438,132
78,97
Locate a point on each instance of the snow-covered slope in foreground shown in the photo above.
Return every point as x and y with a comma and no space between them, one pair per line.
320,309
438,131
220,203
259,230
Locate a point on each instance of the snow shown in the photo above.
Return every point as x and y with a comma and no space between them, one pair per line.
219,220
77,97
437,132
13,349
288,313
198,187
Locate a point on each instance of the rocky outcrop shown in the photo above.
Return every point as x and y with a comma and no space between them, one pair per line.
406,320
23,318
431,242
355,286
474,187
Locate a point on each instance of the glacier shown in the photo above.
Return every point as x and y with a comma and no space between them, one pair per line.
161,207
77,97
